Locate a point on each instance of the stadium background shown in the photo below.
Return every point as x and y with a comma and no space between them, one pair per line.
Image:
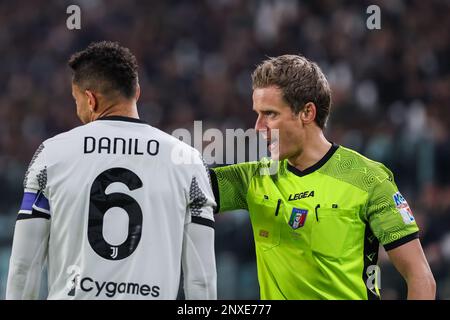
391,95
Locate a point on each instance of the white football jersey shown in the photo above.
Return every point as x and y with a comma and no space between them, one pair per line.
118,193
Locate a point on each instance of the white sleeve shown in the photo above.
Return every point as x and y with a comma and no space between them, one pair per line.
31,233
199,265
28,256
198,259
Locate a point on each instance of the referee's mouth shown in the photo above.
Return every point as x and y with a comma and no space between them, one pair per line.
272,144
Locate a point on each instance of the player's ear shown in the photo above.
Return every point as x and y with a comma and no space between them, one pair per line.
308,113
91,100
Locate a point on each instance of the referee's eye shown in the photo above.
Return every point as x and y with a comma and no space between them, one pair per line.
269,114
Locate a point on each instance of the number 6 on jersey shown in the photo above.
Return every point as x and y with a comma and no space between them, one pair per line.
100,203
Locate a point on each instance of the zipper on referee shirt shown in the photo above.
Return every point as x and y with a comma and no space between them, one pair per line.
317,216
278,207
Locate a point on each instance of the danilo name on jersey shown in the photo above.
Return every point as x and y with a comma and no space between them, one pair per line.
117,145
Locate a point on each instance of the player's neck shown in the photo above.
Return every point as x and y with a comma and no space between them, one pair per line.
314,149
128,110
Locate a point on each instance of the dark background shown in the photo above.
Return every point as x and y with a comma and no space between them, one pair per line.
391,95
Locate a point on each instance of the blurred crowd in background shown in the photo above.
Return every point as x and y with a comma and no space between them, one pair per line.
390,89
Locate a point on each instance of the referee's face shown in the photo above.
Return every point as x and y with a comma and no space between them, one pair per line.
278,124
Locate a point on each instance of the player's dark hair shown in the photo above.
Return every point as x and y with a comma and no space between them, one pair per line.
300,80
105,67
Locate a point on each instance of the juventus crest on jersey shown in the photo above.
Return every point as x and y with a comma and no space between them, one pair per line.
117,207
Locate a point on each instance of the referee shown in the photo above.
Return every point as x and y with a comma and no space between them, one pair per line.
318,221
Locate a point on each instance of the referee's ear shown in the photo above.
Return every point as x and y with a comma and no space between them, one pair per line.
308,113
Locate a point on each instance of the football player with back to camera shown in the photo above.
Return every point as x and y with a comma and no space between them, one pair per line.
105,204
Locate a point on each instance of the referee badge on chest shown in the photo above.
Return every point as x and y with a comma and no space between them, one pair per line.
298,217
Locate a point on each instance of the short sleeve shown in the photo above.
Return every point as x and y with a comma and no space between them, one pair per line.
201,199
389,214
35,202
230,185
36,174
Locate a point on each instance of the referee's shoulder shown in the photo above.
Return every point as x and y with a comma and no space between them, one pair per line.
359,168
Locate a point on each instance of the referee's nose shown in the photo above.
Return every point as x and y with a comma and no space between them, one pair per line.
260,124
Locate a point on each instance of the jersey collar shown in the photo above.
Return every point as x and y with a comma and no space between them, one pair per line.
315,166
122,118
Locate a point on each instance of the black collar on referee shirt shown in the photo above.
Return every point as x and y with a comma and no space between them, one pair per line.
122,118
315,166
